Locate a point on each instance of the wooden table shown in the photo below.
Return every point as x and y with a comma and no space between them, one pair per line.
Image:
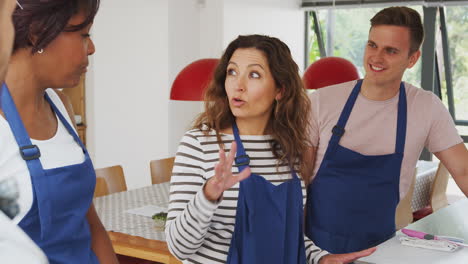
142,248
449,221
135,235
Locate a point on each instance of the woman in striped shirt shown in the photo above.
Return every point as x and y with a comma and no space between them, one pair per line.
246,206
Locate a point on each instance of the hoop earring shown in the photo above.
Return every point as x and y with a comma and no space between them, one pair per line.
40,51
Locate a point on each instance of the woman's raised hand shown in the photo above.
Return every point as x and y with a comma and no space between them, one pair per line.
223,178
346,258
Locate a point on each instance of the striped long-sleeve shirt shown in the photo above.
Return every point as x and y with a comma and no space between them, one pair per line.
197,230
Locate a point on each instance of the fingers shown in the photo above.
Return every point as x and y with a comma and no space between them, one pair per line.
243,174
348,258
222,157
223,170
218,171
214,185
239,177
231,156
365,252
220,168
226,163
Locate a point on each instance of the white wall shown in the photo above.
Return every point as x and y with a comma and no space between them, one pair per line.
195,32
141,47
277,18
127,97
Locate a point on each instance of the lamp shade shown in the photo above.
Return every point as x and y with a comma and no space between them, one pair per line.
329,71
191,82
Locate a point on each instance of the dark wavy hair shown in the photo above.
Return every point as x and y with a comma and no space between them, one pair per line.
289,119
44,20
404,17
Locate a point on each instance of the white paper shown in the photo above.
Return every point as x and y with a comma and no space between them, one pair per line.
147,210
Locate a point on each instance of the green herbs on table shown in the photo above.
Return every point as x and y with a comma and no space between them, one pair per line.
160,216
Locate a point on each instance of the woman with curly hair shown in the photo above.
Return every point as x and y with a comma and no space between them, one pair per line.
246,206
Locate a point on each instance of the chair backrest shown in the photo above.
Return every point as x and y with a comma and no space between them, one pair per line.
114,178
404,212
101,187
439,188
161,170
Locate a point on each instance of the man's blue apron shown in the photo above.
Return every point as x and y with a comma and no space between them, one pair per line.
268,218
352,200
57,220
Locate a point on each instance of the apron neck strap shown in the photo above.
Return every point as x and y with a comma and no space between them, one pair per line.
242,160
65,123
27,149
30,154
339,129
401,122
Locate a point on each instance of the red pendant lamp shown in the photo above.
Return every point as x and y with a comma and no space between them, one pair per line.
329,71
191,82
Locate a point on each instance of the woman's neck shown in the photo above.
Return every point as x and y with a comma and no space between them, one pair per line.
26,90
252,127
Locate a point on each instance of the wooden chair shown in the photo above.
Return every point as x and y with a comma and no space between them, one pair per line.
438,196
101,187
404,213
161,170
114,180
439,188
110,180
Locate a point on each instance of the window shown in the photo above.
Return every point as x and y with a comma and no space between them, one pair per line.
457,28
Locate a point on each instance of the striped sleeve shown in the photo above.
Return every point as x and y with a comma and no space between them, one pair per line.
313,253
190,213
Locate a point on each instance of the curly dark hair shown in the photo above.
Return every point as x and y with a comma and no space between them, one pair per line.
46,19
289,120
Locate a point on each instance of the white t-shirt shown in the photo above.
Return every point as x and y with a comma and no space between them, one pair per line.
16,246
59,151
371,127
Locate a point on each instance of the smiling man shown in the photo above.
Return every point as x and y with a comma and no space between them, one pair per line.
367,136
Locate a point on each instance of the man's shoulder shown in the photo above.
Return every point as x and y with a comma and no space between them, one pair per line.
334,91
416,94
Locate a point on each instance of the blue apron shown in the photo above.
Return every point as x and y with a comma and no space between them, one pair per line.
268,218
351,202
57,220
